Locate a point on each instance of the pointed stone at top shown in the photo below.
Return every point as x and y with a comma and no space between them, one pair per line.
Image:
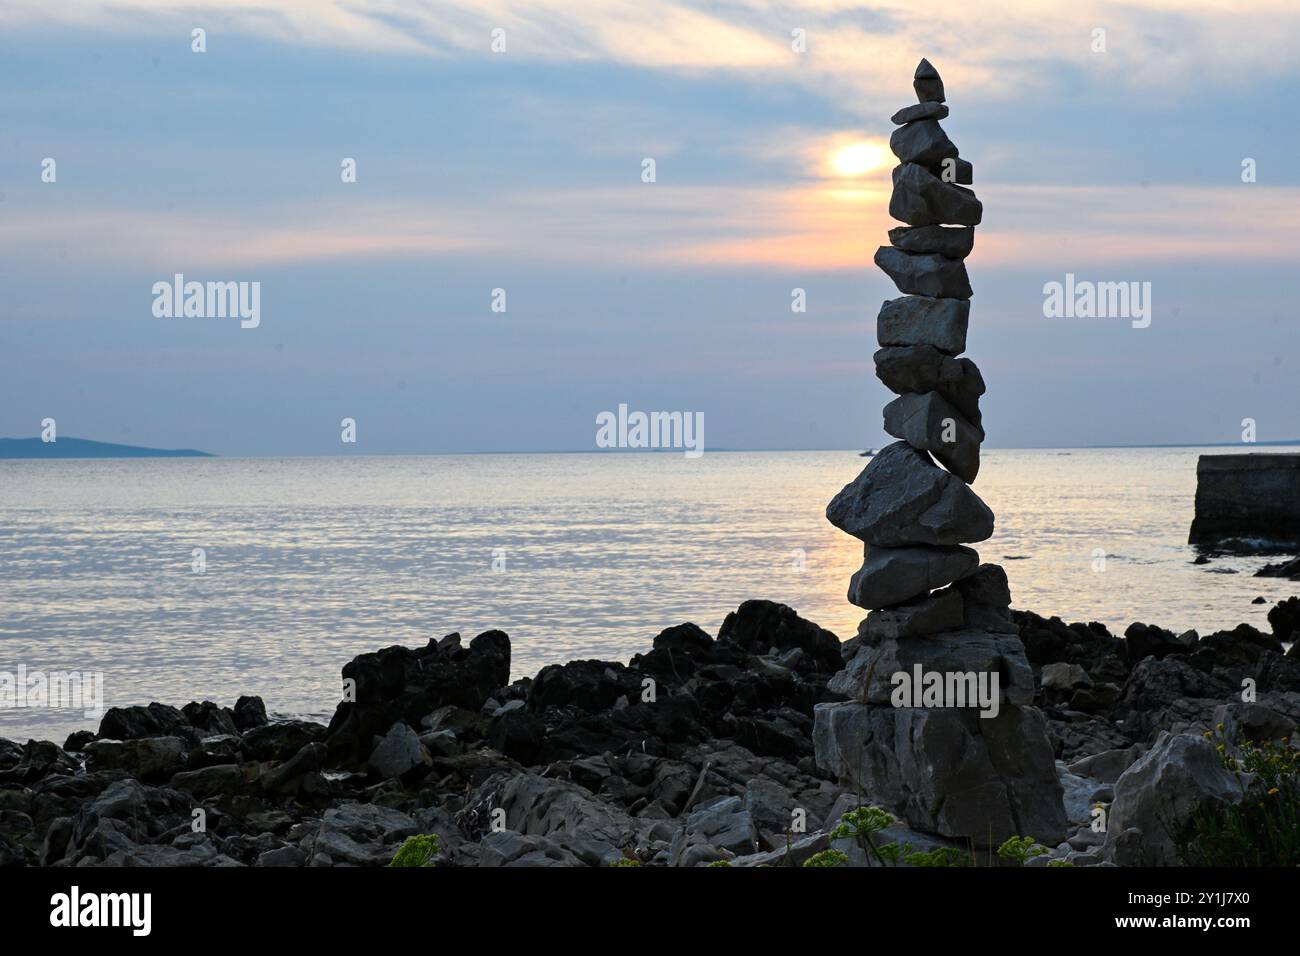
926,82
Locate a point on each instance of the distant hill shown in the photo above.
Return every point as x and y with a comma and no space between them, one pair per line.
85,448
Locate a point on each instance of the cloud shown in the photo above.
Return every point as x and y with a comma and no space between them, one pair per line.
815,227
855,55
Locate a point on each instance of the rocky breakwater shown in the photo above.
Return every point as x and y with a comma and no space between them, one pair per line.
938,724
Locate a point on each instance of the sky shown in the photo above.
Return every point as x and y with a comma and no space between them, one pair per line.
1115,157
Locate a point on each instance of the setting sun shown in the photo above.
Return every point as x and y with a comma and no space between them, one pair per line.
856,159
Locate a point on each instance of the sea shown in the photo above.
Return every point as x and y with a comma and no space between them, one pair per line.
208,578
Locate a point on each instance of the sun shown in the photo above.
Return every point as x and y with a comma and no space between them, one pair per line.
858,158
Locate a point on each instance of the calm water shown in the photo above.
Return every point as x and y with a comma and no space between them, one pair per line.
312,561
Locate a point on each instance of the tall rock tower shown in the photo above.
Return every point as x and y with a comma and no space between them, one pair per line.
938,725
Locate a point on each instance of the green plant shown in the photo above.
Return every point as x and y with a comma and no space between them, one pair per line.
828,858
940,856
1264,828
1060,863
626,861
859,825
720,863
418,851
1021,849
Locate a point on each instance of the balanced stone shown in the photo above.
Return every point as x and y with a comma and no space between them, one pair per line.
901,498
920,111
927,84
925,274
923,368
954,170
955,242
891,576
928,422
921,198
867,677
924,320
922,141
986,599
930,614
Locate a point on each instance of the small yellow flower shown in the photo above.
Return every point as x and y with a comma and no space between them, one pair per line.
1272,791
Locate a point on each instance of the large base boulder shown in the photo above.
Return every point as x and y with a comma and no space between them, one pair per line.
948,771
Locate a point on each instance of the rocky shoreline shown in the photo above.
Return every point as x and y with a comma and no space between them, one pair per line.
702,749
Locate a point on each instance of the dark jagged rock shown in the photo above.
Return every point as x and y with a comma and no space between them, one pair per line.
589,686
758,626
1050,640
922,141
929,422
954,242
922,368
924,320
1144,641
890,576
920,111
398,683
920,198
249,712
927,84
133,723
902,498
928,275
1284,619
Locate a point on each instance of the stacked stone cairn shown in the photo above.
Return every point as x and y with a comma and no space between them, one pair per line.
958,771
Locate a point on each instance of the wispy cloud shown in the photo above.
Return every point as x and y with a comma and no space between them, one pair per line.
828,226
854,52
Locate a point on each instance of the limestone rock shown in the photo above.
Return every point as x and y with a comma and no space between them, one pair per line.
891,576
929,422
919,111
955,242
922,141
1180,773
869,676
927,84
901,498
397,752
924,320
948,771
923,368
925,274
921,198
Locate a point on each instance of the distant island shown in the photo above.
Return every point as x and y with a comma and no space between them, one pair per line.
85,448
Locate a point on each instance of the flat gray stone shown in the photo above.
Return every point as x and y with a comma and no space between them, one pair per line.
902,498
929,422
923,368
924,320
925,274
955,242
927,84
891,576
919,111
921,198
922,141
